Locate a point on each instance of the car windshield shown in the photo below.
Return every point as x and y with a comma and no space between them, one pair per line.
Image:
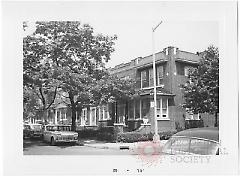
58,128
37,127
63,128
27,127
184,145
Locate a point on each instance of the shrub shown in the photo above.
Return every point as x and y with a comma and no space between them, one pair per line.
107,129
194,124
87,133
166,134
106,134
137,136
132,137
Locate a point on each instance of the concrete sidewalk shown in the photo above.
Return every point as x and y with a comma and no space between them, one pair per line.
118,145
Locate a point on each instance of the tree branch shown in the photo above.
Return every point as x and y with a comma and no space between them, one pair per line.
42,97
55,93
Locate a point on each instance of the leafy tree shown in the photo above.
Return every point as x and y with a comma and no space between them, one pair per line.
68,57
74,59
201,92
110,89
39,73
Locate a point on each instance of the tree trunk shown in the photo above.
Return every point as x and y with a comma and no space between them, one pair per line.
216,120
44,116
73,118
73,109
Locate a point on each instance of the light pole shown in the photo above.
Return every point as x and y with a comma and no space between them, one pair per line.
156,137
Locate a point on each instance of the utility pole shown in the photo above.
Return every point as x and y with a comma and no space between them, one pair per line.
156,137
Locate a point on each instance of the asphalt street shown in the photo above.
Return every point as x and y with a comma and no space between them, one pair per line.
38,147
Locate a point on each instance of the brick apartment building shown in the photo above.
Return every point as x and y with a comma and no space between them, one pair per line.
172,67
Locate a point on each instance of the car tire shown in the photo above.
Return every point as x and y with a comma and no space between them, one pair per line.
52,141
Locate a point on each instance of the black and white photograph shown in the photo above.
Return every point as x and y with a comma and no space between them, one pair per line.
126,88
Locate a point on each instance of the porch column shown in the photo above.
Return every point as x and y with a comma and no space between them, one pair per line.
60,114
55,121
90,116
76,116
66,113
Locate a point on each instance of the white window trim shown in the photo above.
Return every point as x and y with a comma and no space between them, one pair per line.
90,118
76,120
83,118
186,70
106,115
150,87
141,73
103,111
65,116
192,118
158,81
161,117
99,113
146,88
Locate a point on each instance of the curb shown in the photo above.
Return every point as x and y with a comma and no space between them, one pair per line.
119,146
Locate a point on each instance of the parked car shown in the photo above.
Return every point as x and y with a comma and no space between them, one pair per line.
199,141
32,131
59,134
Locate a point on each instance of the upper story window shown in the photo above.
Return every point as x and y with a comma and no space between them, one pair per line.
144,78
182,69
159,75
147,77
186,70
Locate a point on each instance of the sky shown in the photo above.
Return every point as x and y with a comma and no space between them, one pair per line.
185,26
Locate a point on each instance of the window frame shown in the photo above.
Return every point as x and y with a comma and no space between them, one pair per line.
90,117
149,73
160,110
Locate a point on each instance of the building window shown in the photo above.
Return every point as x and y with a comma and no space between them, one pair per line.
186,70
180,68
83,116
192,116
147,79
137,109
103,112
131,109
159,75
144,78
93,115
151,81
145,103
162,108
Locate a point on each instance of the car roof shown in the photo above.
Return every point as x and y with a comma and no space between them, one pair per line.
34,124
204,133
58,125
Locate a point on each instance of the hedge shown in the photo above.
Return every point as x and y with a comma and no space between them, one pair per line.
107,134
137,136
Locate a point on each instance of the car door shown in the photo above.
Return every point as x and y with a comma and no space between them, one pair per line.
46,134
